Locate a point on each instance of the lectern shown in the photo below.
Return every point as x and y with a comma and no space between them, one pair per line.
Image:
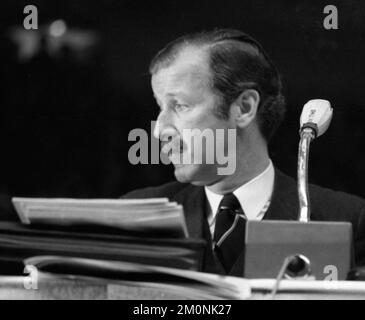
327,245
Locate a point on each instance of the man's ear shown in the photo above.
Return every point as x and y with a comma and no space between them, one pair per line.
245,107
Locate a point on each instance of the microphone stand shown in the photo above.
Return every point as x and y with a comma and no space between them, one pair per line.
306,136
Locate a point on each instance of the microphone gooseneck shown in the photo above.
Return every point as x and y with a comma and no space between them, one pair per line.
306,137
314,121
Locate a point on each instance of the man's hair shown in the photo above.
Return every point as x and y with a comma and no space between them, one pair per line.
237,62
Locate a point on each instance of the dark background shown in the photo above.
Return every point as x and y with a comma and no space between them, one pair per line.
64,121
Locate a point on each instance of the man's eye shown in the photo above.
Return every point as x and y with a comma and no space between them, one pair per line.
181,107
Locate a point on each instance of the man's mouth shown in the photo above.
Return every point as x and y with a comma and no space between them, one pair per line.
172,147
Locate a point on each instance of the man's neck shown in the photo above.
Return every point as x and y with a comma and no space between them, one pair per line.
249,166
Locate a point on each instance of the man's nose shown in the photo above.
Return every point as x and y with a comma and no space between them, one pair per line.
164,126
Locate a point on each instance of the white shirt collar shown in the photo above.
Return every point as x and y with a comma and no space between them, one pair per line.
254,196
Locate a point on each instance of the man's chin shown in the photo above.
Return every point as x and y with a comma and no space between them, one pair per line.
190,174
182,173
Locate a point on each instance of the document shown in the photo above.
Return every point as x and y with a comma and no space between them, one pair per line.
152,215
185,283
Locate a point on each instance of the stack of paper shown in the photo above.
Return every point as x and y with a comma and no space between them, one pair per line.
186,284
20,241
145,215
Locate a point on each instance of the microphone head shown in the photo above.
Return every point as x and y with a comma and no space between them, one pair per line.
317,115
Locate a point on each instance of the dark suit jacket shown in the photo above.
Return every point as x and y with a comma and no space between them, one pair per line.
326,205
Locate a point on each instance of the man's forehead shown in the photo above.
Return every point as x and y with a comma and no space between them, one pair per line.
190,68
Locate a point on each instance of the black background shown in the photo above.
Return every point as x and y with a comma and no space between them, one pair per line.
64,124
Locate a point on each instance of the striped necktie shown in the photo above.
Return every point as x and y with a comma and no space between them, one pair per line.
229,233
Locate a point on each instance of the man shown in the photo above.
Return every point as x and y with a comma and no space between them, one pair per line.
224,80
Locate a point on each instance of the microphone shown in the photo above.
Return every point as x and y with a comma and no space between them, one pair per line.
316,116
314,121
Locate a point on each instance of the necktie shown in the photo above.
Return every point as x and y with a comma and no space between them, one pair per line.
229,233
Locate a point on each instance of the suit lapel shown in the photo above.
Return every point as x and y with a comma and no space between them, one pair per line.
195,205
284,201
193,200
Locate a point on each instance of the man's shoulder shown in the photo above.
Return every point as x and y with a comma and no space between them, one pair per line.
338,202
335,195
325,202
167,190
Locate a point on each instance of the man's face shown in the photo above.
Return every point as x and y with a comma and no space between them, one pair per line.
183,92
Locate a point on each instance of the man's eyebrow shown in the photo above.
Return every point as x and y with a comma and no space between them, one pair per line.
179,94
172,95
